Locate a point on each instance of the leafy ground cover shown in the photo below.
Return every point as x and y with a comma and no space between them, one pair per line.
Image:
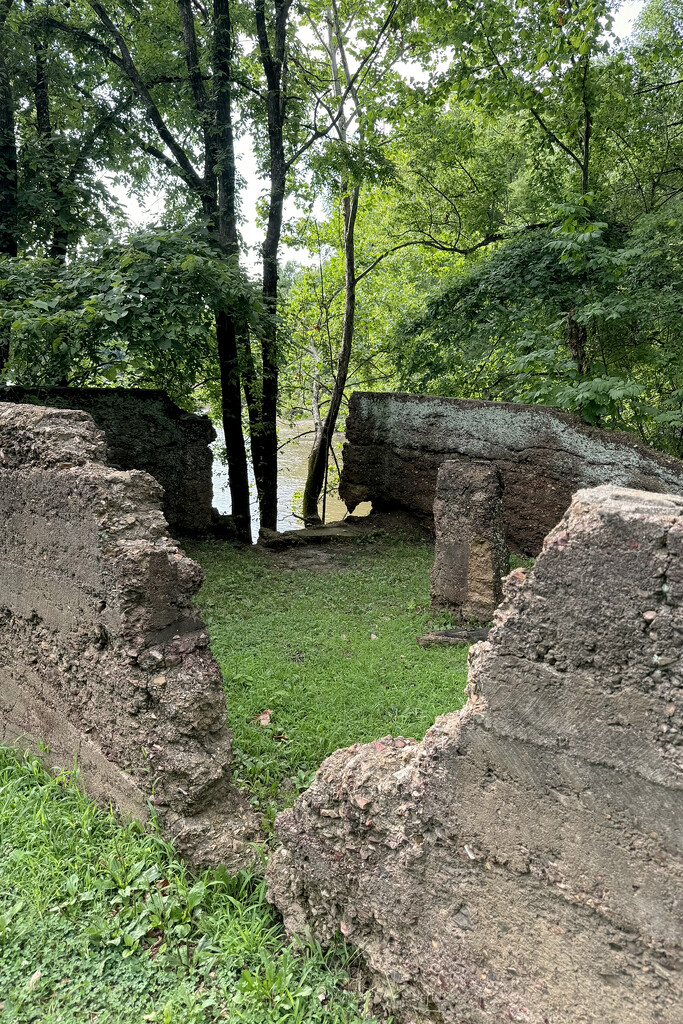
102,923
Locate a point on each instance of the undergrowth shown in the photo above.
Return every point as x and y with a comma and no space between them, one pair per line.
102,923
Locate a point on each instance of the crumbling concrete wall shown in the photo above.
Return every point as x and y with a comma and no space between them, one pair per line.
145,430
396,443
103,657
523,862
471,556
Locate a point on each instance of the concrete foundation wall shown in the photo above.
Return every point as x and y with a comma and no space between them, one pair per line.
145,430
524,862
396,444
103,657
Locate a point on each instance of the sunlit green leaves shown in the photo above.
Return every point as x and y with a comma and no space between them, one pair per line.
138,312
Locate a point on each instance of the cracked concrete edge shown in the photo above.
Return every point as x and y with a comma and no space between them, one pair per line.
103,655
396,444
523,862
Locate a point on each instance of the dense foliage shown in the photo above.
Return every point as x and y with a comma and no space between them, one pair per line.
484,198
136,312
528,235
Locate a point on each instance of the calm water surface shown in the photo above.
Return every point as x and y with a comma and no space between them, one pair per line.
292,465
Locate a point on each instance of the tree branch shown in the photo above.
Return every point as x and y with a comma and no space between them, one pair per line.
429,242
126,63
551,135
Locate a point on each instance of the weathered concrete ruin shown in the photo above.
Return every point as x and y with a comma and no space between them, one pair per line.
103,657
471,555
396,443
523,862
145,430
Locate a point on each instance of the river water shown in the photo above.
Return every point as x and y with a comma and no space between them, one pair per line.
295,441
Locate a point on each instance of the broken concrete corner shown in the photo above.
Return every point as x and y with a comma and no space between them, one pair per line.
103,656
524,861
143,429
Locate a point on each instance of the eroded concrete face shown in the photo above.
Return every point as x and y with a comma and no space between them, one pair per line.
103,657
523,862
470,557
145,430
396,443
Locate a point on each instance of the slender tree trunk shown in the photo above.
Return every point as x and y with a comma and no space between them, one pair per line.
585,165
587,131
576,340
269,349
226,330
274,62
231,411
316,478
8,146
317,462
60,204
8,167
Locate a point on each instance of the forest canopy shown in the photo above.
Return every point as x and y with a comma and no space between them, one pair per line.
474,198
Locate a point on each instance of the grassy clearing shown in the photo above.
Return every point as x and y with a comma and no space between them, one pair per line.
102,923
331,652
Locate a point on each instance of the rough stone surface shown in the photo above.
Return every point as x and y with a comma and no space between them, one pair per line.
145,430
103,656
396,443
523,862
471,555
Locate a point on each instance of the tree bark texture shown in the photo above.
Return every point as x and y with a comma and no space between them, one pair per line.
222,149
317,462
58,201
274,63
8,145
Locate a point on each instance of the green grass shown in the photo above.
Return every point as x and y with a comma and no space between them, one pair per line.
101,923
120,931
300,643
521,562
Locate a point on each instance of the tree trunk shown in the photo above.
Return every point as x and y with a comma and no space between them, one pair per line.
316,478
317,462
8,168
58,201
274,63
8,147
587,131
576,341
60,206
269,354
226,330
231,410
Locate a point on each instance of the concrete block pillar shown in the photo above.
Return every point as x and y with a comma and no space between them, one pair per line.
471,555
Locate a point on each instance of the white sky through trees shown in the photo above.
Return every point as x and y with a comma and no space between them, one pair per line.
150,210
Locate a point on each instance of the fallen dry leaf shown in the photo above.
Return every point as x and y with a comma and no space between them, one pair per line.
34,979
265,717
